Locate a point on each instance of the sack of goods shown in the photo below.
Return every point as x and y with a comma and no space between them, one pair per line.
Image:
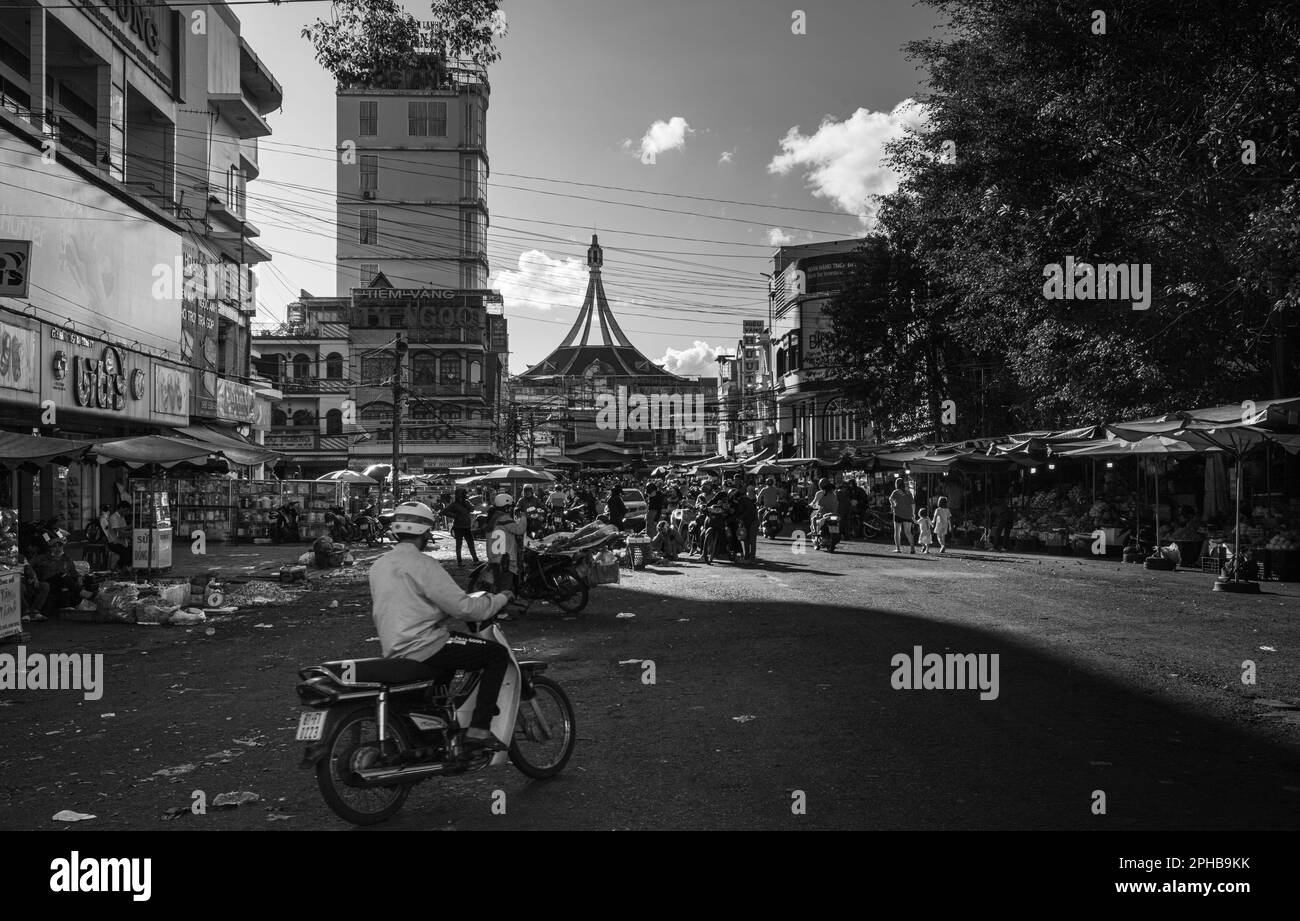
605,569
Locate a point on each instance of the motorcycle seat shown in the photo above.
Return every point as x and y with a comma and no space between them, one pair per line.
389,671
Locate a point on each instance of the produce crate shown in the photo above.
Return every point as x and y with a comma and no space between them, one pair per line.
1211,564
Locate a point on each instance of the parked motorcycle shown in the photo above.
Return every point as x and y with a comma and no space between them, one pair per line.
368,529
827,533
772,522
545,576
377,727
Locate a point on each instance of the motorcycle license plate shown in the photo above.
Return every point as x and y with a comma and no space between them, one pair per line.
835,529
310,726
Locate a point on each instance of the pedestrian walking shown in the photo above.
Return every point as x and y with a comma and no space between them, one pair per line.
461,514
942,523
901,504
654,507
615,507
925,529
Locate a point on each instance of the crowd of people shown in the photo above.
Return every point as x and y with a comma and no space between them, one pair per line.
494,514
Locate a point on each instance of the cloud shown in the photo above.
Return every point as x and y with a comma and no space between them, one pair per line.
541,283
843,161
778,237
661,136
727,155
699,359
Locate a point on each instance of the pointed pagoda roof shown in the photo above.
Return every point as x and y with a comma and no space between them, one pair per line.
596,338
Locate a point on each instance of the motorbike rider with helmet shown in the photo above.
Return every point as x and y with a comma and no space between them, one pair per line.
826,502
504,528
414,602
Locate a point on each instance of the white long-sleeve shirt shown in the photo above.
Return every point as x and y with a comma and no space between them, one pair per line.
414,599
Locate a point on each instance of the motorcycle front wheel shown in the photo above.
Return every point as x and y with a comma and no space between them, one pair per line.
354,745
545,731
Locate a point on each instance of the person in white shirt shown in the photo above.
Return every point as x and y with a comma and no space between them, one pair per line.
415,601
119,534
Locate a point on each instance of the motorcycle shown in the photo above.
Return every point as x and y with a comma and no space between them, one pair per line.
536,526
544,576
340,526
377,727
828,533
772,522
367,528
717,530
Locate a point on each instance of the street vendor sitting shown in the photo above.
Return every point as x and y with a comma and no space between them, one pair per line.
58,572
666,543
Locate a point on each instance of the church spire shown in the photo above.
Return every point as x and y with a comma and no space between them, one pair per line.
595,255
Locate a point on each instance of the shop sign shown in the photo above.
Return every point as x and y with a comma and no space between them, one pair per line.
416,316
827,273
171,391
138,17
17,358
236,402
290,441
96,377
15,267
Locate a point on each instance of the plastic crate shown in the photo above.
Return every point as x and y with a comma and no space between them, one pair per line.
1211,564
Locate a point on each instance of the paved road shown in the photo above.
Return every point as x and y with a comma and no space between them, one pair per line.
769,680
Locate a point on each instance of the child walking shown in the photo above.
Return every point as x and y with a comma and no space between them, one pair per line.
942,523
926,534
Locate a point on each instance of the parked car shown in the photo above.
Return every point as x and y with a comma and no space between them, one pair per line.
634,499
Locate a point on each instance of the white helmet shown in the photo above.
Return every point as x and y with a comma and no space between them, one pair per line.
502,500
413,518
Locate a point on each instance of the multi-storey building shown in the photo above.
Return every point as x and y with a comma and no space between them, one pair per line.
814,418
127,138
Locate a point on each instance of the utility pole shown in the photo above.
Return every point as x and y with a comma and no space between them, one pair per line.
399,393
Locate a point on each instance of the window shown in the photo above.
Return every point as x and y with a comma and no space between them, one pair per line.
426,119
376,370
369,119
279,417
301,367
476,372
422,369
842,422
369,226
369,173
450,369
334,366
334,422
303,418
470,222
368,272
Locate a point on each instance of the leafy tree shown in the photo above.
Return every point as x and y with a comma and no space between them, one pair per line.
363,37
1123,147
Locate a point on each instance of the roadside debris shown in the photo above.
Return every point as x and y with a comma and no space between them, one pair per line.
176,771
67,815
231,800
624,615
744,719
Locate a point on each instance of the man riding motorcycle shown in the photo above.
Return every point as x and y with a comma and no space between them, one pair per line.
824,503
415,601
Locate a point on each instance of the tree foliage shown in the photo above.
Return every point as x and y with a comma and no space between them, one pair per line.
363,37
1127,147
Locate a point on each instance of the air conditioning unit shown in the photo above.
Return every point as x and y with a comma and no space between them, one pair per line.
368,194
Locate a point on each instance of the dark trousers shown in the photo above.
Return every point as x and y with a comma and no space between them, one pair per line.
473,653
123,555
467,536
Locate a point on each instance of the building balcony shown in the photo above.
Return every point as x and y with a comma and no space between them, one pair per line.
458,389
256,81
242,112
290,438
312,385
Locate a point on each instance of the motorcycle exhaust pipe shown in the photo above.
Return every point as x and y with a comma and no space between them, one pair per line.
377,777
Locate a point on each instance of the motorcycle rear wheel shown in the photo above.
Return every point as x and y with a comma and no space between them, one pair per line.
572,590
353,745
555,706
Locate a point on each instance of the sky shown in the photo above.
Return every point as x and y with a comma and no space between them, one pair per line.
694,136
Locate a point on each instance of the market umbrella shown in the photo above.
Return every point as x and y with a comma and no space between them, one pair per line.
155,450
661,471
1234,439
347,476
18,450
765,468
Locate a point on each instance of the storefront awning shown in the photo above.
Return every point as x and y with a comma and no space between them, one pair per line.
235,448
161,450
16,449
